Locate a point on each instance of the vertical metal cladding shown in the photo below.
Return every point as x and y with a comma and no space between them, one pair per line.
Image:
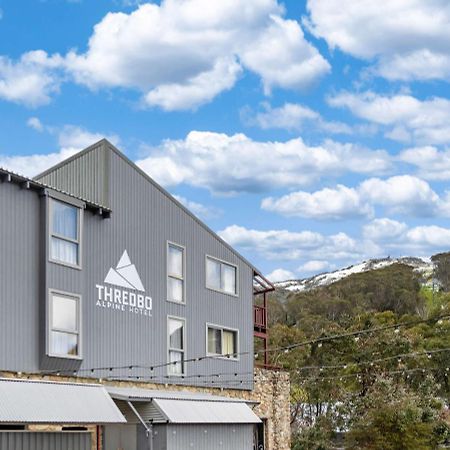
39,441
143,219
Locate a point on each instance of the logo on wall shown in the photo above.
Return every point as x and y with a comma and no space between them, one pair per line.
126,292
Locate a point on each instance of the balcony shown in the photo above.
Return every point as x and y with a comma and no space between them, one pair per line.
259,317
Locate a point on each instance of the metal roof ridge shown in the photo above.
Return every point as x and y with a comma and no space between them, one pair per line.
59,383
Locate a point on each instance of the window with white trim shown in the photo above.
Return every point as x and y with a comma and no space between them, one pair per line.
64,233
221,276
222,342
175,273
64,321
176,341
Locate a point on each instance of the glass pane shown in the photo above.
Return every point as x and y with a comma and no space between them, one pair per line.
64,251
176,334
228,279
214,341
65,219
175,289
64,343
175,261
64,311
229,343
212,273
177,358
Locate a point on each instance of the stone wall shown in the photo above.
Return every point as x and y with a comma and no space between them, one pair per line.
271,391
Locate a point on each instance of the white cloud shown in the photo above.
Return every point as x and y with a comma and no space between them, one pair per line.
405,117
288,245
35,123
384,229
314,266
431,163
71,140
200,210
292,116
229,164
282,57
429,237
406,38
325,204
182,53
280,275
404,194
31,80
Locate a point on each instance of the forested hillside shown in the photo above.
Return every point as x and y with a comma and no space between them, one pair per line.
369,358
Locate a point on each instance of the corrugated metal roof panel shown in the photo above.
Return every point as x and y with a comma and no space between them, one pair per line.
25,401
136,394
190,411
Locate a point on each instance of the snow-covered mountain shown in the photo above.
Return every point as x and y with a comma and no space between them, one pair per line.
424,267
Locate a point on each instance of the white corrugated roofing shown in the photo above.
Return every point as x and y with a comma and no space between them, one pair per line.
137,394
26,401
191,411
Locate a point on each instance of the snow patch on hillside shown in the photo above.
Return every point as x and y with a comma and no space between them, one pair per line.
424,267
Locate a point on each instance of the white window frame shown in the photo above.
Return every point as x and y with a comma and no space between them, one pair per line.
169,348
183,278
222,262
51,234
222,329
50,328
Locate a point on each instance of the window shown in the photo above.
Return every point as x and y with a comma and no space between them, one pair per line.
221,276
176,338
222,342
64,339
64,233
175,273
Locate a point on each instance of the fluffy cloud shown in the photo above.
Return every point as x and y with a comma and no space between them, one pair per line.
200,210
288,245
419,240
405,117
406,38
404,194
314,266
292,116
229,164
71,140
31,80
431,163
280,275
182,53
323,205
383,229
35,123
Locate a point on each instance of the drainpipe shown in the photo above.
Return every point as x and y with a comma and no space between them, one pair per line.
148,428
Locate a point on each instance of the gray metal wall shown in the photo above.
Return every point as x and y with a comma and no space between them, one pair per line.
142,221
209,437
24,440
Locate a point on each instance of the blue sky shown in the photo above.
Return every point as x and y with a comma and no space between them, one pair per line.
309,134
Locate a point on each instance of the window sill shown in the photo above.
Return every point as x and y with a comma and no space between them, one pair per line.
177,303
65,264
222,292
216,356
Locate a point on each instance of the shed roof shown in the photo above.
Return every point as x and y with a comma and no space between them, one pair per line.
26,401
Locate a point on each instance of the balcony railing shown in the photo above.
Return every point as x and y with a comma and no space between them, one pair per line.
260,317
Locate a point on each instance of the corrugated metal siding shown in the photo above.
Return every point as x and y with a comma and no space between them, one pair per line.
142,222
45,441
19,278
45,402
85,176
209,437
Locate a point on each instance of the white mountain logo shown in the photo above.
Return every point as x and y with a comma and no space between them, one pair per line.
125,274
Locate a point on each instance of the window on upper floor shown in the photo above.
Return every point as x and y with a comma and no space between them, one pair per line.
64,325
222,342
176,344
175,273
221,276
65,233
